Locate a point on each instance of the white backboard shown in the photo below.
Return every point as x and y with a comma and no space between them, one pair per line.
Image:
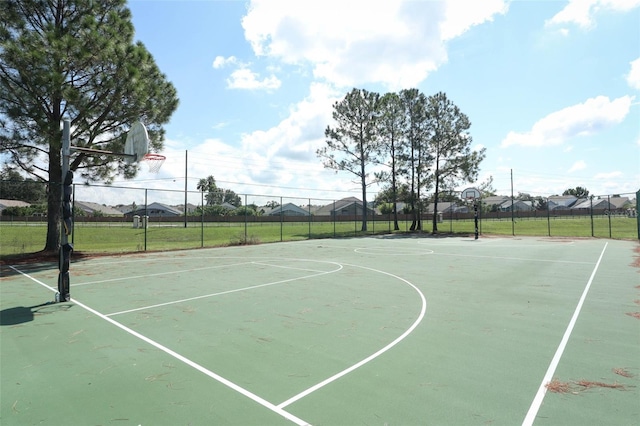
137,143
470,194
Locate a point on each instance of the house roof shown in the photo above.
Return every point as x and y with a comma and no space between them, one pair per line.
13,203
288,207
90,207
528,205
443,206
562,200
339,205
619,202
495,200
586,203
156,206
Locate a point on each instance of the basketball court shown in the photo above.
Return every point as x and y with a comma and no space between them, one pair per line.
379,330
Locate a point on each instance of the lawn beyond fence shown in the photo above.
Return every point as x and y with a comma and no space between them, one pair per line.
28,236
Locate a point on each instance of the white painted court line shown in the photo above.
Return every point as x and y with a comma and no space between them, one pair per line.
185,360
288,267
158,274
371,357
236,290
279,409
542,390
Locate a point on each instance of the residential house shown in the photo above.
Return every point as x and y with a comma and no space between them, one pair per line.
447,207
494,202
561,202
621,203
155,210
346,207
95,209
596,204
288,209
516,206
12,203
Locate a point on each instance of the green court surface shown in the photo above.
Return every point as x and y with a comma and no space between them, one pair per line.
385,330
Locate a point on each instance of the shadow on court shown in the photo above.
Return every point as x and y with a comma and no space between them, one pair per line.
23,314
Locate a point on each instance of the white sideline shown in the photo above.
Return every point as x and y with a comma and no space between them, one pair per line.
183,359
542,390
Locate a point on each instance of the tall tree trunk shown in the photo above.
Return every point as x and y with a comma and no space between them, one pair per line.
364,197
435,201
394,191
54,197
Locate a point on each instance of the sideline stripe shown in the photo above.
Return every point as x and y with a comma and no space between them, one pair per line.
158,274
239,389
542,390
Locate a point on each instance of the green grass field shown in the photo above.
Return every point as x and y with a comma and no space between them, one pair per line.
116,237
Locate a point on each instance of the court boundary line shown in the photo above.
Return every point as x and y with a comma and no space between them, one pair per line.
272,407
158,274
436,253
279,408
204,296
542,390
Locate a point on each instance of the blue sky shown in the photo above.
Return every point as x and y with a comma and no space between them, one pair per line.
552,88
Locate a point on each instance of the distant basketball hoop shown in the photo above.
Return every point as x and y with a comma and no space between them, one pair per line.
470,194
154,161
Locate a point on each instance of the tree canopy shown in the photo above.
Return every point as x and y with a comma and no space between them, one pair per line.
14,186
353,143
75,60
216,196
578,192
418,143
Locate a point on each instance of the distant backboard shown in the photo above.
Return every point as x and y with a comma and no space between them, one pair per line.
137,143
470,194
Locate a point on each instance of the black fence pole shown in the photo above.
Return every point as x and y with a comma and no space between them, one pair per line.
609,209
548,219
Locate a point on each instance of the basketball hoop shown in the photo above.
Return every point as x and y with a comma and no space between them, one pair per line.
154,161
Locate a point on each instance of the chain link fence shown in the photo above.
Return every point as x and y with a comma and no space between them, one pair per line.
147,219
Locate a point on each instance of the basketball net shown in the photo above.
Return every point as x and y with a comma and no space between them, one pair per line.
154,161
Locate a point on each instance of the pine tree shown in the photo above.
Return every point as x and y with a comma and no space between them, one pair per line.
75,60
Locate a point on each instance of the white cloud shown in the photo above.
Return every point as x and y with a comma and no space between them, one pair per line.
395,42
244,78
296,137
221,61
581,12
578,165
609,175
633,78
582,119
461,15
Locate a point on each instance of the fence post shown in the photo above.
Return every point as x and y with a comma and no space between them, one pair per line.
334,219
146,222
548,218
245,218
281,219
309,208
591,214
609,208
